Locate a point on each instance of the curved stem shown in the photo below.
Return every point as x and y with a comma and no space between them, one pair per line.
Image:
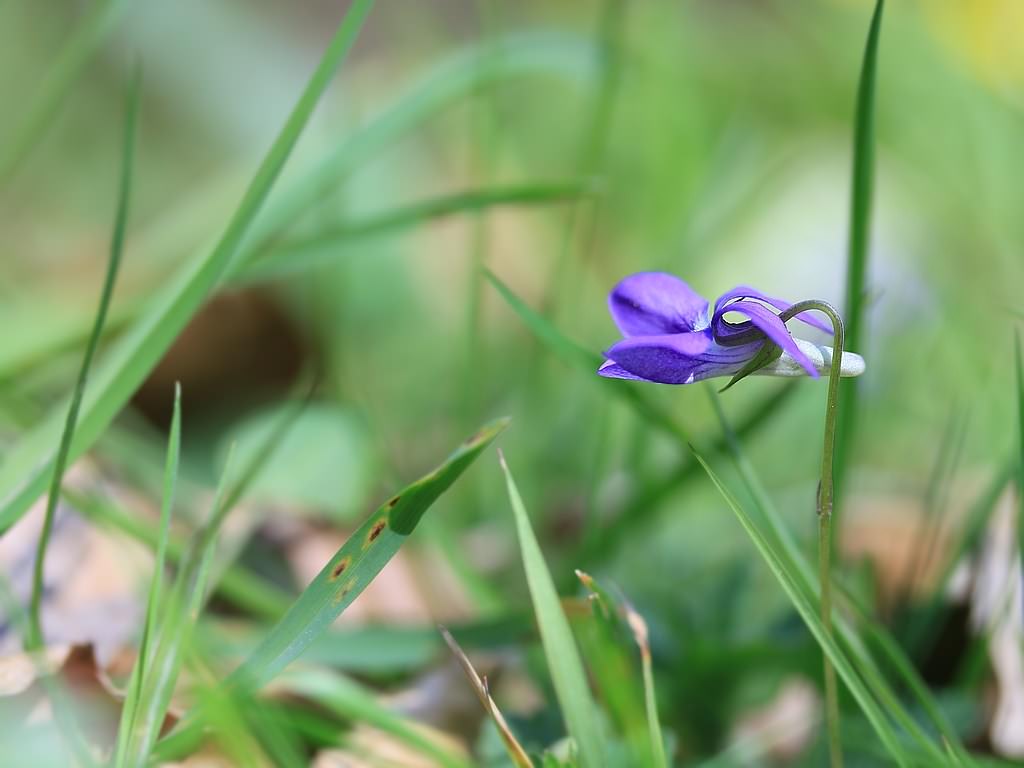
826,493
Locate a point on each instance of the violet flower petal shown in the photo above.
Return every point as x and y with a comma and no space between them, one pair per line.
772,327
678,358
746,292
612,370
656,303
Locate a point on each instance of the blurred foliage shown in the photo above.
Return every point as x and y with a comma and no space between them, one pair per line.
714,141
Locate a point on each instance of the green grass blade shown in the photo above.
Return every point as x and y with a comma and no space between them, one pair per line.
564,662
301,254
356,564
60,461
67,67
790,583
859,238
588,362
179,618
25,471
155,599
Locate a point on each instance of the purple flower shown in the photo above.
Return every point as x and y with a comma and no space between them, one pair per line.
671,337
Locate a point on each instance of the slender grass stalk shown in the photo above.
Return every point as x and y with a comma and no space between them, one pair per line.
860,226
826,494
155,599
35,636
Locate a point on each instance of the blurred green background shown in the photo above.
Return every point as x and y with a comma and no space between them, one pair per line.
709,139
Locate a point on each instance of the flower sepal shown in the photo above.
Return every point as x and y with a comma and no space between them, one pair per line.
766,355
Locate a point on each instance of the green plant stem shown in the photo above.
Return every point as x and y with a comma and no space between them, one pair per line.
826,494
831,689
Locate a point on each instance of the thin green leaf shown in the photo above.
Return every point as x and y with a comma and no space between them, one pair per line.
176,624
859,238
322,247
66,69
808,612
154,601
24,473
588,362
63,453
564,662
768,353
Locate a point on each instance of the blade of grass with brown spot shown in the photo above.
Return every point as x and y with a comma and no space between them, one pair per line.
62,456
356,564
515,750
342,579
29,464
564,663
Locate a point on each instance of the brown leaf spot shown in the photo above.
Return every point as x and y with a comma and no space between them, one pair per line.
342,593
376,530
340,567
394,500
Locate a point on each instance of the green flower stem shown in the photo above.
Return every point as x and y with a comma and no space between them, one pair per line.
826,494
